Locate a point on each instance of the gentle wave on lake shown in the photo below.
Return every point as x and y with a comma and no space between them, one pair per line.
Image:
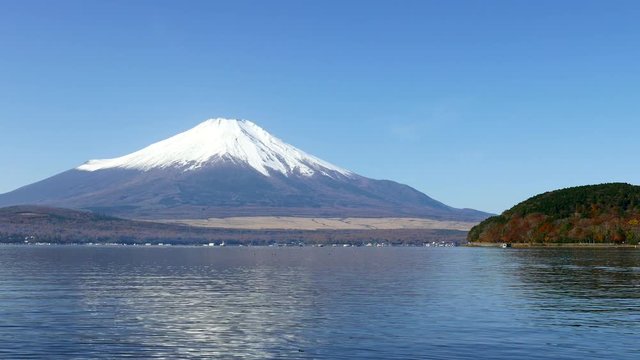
321,303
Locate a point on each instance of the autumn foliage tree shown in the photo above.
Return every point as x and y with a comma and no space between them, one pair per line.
605,213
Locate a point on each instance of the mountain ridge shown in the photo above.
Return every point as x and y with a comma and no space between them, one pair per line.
226,167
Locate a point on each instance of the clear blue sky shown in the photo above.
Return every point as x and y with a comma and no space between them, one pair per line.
478,104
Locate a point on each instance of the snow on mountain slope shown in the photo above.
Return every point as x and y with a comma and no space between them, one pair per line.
214,140
223,168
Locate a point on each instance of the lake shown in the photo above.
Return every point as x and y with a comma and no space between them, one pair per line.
320,303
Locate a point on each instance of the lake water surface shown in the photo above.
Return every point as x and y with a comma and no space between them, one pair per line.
322,303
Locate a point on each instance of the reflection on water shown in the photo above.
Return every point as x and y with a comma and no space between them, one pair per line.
334,303
583,287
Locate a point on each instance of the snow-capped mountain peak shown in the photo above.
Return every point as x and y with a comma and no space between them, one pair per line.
217,140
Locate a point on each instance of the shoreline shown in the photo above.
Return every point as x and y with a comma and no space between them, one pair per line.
556,245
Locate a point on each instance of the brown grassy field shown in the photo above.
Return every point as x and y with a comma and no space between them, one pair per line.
40,224
314,223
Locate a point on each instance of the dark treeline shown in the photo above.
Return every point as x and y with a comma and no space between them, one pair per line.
52,225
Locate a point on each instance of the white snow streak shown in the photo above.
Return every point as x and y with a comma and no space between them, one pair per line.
218,140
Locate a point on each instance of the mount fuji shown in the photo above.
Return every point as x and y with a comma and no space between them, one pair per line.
226,167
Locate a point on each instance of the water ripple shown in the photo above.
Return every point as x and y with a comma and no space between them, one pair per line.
321,303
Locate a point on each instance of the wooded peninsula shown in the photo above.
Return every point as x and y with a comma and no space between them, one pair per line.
597,214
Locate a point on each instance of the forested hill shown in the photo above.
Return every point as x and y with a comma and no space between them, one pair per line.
605,213
37,224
